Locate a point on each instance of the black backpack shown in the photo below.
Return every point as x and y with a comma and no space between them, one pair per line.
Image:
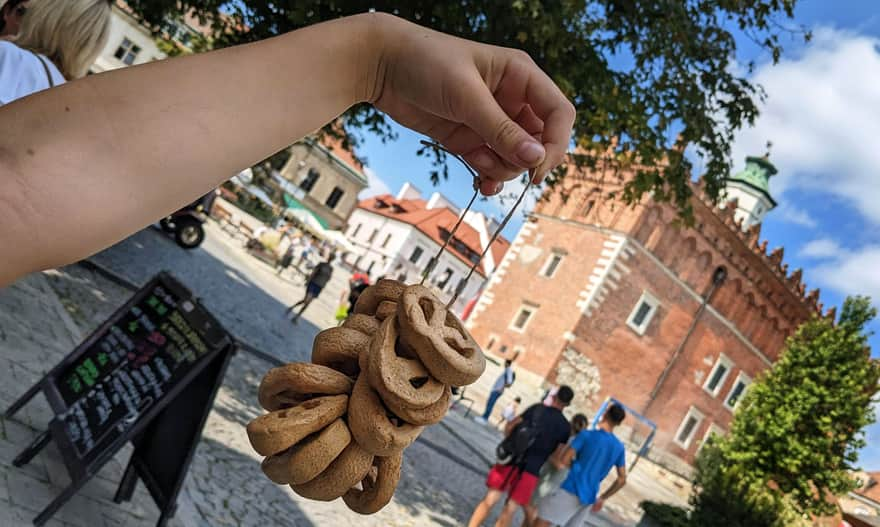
513,449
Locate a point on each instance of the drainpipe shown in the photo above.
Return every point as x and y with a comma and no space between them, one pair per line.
718,278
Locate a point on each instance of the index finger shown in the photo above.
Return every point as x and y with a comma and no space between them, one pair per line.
558,113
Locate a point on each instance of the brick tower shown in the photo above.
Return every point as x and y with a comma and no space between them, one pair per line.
621,302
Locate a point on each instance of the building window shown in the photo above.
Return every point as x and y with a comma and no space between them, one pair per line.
462,283
688,428
713,430
736,393
642,313
503,348
308,182
334,197
551,265
387,239
517,352
416,254
522,317
447,276
373,235
370,267
491,342
718,375
127,51
356,230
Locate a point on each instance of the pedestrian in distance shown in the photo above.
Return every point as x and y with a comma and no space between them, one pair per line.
504,381
591,455
68,174
318,279
57,41
551,476
530,440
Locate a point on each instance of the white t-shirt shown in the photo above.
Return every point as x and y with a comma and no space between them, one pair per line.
509,412
21,73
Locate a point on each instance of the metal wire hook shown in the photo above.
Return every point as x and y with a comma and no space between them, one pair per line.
433,263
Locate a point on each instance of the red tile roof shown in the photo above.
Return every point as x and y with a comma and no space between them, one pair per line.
346,156
431,222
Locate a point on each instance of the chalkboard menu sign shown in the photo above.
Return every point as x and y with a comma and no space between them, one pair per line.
130,367
121,379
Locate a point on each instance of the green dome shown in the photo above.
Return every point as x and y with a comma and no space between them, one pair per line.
756,175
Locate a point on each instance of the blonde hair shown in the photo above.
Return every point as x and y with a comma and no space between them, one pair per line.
71,33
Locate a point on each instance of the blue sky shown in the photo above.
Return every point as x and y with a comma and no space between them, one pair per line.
823,117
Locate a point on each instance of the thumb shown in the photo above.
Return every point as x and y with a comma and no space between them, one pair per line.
498,129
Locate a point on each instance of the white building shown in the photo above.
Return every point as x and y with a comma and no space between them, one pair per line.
397,236
131,43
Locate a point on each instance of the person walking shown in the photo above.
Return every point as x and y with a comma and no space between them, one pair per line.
591,455
504,381
551,477
321,274
542,429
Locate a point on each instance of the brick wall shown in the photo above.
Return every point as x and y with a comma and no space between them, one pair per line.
553,299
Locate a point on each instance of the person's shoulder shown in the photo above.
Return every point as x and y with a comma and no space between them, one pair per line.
10,48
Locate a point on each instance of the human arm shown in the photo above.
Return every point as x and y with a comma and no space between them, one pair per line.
616,486
512,424
559,458
94,160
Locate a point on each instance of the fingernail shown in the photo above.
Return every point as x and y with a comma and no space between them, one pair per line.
499,186
484,161
530,152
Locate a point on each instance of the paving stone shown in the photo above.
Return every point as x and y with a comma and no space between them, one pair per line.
30,493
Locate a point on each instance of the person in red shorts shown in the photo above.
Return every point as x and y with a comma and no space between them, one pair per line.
519,479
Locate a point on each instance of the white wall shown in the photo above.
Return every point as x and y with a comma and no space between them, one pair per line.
124,26
751,205
403,242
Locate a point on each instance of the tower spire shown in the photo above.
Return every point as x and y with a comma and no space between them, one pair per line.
751,189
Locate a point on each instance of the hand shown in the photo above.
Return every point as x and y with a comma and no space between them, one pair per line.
598,505
491,105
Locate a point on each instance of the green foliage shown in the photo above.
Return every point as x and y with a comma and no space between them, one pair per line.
798,429
721,498
665,515
648,78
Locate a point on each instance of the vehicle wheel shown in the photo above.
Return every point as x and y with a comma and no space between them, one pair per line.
167,225
189,233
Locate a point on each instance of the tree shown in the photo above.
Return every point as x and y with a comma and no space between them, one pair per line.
649,78
797,432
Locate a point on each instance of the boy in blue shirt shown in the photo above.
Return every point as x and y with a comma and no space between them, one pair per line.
591,455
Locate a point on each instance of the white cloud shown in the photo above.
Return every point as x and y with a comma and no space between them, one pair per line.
852,272
795,215
376,185
823,116
821,248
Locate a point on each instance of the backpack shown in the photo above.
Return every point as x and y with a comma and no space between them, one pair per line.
513,449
